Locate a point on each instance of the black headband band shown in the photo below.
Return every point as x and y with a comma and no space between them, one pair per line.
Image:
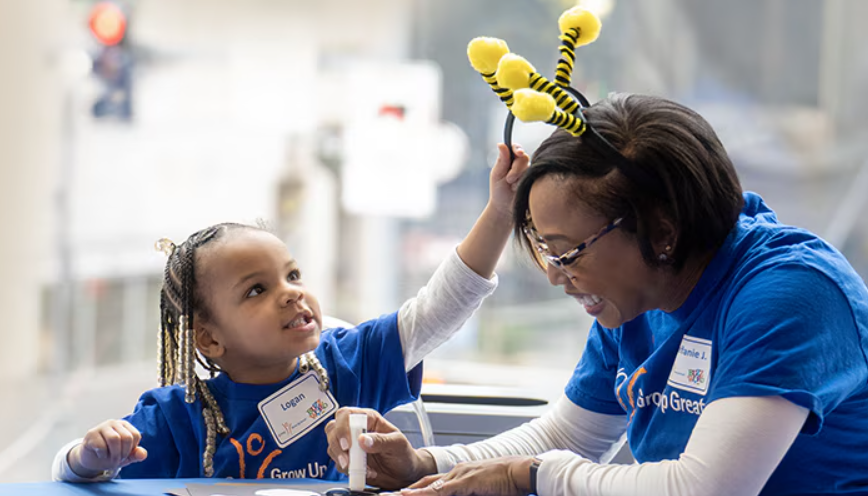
601,145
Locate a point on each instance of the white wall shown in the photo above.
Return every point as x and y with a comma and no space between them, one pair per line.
29,141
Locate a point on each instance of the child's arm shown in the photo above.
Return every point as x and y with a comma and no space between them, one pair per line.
482,247
104,450
465,278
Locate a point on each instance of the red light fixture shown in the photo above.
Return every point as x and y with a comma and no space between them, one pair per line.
395,111
107,23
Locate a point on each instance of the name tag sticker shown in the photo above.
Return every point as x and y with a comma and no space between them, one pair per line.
692,368
297,408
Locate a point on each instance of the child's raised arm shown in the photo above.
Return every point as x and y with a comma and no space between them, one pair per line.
482,247
465,278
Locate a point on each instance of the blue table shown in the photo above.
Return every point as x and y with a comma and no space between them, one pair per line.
147,487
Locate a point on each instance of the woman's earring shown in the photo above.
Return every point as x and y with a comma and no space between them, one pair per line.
663,257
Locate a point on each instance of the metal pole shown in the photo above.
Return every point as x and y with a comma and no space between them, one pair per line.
62,302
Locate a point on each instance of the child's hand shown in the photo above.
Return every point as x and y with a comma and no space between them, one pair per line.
111,445
483,245
504,179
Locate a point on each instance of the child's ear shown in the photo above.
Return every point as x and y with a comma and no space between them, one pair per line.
207,344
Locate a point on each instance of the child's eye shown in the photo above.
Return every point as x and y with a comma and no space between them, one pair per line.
294,275
255,291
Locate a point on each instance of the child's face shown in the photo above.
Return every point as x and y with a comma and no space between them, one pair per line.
262,317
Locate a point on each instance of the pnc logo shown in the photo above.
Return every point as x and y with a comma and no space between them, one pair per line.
630,381
317,409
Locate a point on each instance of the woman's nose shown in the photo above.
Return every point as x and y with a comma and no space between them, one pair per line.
557,276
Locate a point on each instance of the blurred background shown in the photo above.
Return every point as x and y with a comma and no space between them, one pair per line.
359,133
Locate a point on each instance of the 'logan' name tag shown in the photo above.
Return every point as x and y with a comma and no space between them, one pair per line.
297,408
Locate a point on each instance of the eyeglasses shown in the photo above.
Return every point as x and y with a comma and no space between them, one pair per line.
569,257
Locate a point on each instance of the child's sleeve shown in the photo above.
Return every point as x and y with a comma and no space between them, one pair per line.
162,460
62,472
366,367
158,438
440,308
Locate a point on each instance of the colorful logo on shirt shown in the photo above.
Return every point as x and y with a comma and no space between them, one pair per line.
255,445
253,439
696,376
637,399
631,386
317,409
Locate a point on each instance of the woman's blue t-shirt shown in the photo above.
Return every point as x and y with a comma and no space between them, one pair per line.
778,312
365,367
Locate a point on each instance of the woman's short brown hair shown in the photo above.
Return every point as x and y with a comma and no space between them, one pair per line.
692,180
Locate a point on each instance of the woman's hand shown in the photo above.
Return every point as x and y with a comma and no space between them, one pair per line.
392,462
506,476
109,446
504,178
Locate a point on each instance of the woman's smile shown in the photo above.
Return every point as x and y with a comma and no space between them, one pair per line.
593,304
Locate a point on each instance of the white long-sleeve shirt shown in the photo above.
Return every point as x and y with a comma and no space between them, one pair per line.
440,308
733,450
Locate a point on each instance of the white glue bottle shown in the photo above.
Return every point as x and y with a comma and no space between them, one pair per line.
358,458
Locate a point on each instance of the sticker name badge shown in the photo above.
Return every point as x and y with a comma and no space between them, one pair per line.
295,409
692,368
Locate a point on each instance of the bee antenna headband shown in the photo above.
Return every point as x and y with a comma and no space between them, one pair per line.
532,98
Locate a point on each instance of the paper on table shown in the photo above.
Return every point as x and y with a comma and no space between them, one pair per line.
250,489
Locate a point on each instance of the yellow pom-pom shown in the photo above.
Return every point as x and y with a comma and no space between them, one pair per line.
532,106
513,72
585,21
484,53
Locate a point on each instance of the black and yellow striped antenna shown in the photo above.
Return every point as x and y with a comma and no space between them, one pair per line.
515,73
485,54
578,27
509,74
535,106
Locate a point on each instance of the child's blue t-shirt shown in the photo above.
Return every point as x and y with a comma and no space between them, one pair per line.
778,312
365,367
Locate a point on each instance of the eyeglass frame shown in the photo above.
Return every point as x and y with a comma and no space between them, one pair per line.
568,258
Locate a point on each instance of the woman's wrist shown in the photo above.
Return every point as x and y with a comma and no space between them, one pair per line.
426,464
523,474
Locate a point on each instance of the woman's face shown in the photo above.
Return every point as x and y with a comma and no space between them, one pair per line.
609,278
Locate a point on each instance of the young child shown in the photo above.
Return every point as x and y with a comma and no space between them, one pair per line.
233,299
